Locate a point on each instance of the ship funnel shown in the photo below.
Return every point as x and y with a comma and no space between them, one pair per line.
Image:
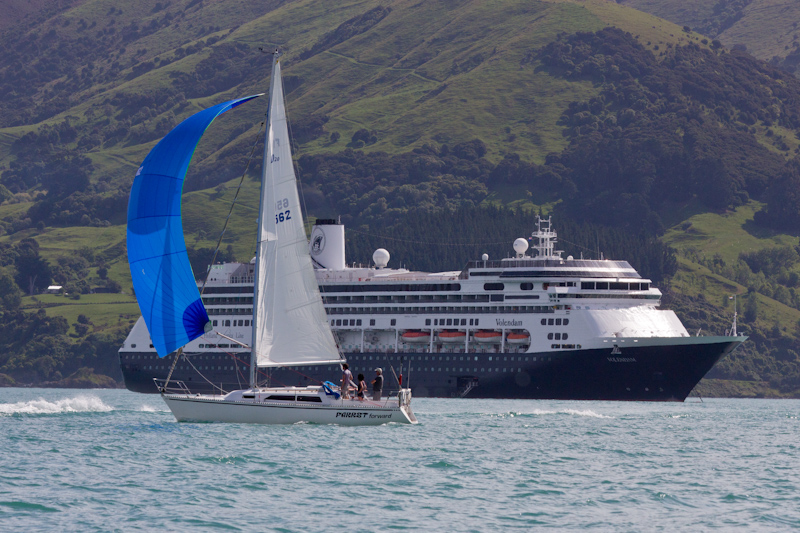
327,244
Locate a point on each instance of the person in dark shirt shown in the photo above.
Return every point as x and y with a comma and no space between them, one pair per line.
362,387
377,385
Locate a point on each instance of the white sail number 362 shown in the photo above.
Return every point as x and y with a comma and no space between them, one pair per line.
281,215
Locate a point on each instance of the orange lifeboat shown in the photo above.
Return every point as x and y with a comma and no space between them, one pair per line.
518,338
416,337
452,336
488,337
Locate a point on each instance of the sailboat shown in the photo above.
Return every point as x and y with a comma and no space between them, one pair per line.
290,326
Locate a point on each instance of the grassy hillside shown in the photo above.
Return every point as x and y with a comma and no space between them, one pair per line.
402,111
766,28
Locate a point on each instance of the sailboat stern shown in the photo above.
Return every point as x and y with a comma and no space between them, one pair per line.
404,400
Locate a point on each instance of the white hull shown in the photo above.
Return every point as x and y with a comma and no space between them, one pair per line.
256,407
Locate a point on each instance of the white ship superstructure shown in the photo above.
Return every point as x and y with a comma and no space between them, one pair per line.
497,328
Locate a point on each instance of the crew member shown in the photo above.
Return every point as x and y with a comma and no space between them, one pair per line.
377,385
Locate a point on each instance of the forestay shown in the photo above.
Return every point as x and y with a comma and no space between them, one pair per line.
162,276
290,325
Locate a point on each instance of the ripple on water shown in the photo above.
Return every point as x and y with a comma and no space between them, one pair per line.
28,507
112,457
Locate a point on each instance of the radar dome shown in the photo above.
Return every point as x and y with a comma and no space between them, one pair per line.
381,258
485,257
521,246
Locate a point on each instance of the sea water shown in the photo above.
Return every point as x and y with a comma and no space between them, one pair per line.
111,460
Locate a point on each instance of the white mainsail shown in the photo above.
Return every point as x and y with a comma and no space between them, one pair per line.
289,322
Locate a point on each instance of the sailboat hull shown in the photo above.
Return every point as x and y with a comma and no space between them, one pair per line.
247,407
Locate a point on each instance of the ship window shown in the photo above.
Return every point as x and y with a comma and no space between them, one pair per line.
527,286
427,321
602,285
544,321
214,323
558,321
558,336
549,336
619,286
493,286
477,320
564,336
352,322
566,321
371,321
133,346
471,322
394,322
463,321
246,322
358,322
550,321
449,322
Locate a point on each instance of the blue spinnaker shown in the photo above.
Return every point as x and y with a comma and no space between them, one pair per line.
162,276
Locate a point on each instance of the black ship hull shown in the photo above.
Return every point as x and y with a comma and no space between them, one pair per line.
666,372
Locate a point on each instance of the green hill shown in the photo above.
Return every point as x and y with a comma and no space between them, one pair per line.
402,111
765,28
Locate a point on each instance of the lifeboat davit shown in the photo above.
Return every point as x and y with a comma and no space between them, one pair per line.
416,337
452,336
518,338
488,337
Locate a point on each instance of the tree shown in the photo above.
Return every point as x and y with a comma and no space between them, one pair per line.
751,308
33,272
10,295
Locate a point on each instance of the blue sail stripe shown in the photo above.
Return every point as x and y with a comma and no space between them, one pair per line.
162,276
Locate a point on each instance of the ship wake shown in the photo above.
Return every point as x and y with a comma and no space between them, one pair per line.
77,404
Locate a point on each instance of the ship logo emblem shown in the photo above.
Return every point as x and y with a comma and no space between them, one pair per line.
317,243
616,350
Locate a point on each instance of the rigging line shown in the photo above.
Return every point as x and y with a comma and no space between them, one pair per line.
172,368
237,360
233,204
213,386
575,244
426,242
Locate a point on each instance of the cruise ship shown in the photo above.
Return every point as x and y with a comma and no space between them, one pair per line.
531,326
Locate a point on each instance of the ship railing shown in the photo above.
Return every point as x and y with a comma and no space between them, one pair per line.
174,387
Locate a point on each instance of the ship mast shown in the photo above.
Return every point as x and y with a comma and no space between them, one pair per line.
545,240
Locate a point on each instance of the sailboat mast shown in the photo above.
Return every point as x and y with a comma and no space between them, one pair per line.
260,232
